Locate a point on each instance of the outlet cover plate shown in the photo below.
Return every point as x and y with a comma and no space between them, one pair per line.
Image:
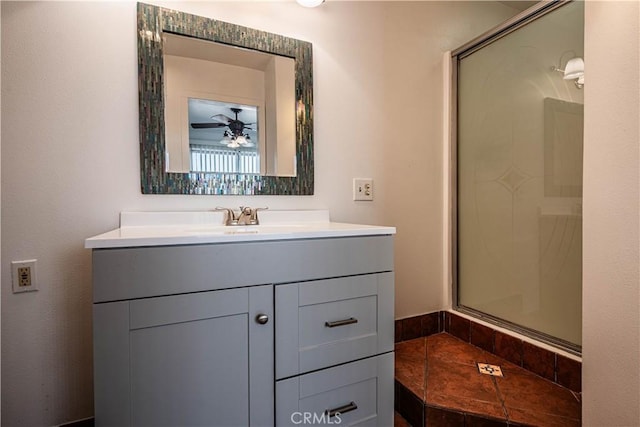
363,189
23,276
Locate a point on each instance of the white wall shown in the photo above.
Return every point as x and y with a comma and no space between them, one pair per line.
70,159
611,258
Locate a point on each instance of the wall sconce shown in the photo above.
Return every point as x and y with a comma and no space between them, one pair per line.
573,70
310,3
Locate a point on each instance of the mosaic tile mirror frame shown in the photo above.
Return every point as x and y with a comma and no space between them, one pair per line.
153,21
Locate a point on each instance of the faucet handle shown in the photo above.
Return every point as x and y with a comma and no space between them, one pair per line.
231,217
254,215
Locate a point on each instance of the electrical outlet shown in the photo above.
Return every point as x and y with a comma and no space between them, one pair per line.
23,274
362,189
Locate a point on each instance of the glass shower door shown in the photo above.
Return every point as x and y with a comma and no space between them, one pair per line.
519,178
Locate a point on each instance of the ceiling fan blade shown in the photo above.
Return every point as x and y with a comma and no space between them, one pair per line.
222,119
207,125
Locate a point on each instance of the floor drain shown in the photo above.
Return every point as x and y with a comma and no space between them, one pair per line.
492,370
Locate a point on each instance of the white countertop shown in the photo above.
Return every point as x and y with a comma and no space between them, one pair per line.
193,228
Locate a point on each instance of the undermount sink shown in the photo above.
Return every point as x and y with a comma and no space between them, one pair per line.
251,229
246,229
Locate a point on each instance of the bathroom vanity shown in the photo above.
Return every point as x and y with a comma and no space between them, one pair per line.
196,323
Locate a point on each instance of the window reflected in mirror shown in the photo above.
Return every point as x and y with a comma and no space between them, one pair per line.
219,143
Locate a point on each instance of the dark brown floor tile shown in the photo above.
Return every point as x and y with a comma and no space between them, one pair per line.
398,330
448,348
459,327
569,373
411,328
430,324
456,379
410,365
476,421
539,361
482,336
523,391
462,388
527,418
508,347
451,349
409,406
441,417
398,421
412,349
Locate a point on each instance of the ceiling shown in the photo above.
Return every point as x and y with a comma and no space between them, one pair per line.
191,47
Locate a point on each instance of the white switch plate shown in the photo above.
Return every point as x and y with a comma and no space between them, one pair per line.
23,275
362,189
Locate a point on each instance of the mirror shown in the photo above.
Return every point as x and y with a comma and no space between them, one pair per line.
224,109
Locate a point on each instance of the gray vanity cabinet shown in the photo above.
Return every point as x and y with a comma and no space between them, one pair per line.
243,334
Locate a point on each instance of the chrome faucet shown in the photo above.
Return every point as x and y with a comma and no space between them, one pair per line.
246,216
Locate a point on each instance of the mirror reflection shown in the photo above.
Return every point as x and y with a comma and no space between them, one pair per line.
228,109
219,143
224,109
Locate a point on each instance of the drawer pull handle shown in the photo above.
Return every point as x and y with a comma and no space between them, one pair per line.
351,406
348,321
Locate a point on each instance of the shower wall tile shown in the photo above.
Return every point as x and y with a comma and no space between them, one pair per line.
508,347
411,328
419,326
482,336
398,331
569,373
539,361
459,327
430,324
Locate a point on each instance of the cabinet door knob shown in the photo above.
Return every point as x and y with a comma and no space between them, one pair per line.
262,318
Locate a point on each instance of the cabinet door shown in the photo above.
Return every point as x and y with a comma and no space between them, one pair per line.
195,359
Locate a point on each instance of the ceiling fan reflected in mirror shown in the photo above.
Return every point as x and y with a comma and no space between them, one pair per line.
235,136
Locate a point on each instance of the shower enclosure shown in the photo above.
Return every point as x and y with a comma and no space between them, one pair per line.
517,142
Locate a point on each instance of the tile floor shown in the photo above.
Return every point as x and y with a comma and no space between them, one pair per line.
438,383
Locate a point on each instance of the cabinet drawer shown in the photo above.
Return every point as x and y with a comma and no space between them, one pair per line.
360,392
327,322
